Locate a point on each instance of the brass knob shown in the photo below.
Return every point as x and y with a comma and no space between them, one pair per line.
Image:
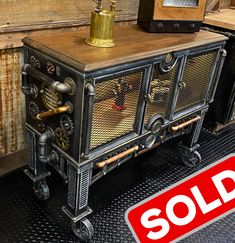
182,85
148,98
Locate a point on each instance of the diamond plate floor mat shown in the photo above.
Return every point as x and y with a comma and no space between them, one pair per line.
24,219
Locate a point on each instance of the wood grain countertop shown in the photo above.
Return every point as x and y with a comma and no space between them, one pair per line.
224,19
132,43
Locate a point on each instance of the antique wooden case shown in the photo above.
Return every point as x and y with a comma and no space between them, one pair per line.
171,15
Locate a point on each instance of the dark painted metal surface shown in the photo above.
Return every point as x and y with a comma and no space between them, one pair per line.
222,110
24,219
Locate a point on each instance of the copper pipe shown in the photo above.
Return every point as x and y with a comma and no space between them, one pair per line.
147,149
117,157
59,110
182,125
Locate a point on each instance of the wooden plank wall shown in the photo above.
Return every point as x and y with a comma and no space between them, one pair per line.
11,101
17,14
19,18
225,3
215,4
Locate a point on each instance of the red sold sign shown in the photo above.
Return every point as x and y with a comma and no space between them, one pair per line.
186,206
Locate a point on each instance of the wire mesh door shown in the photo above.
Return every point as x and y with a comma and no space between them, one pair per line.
196,79
159,98
115,108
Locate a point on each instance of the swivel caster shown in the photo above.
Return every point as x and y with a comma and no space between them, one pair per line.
83,229
191,158
41,189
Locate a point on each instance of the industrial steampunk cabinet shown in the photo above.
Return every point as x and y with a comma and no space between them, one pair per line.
222,110
89,109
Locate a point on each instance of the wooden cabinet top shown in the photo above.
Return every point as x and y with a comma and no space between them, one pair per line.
132,43
224,19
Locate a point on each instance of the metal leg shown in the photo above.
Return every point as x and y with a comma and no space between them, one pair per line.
189,155
77,208
36,170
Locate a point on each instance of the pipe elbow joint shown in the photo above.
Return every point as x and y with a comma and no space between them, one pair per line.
26,89
24,69
60,87
43,154
90,89
224,52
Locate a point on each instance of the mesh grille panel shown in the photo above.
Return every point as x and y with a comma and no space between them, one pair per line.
84,189
72,187
160,92
115,108
30,149
195,81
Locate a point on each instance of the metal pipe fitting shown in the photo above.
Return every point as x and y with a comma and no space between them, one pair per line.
90,93
67,87
223,54
24,69
26,89
90,89
61,87
43,154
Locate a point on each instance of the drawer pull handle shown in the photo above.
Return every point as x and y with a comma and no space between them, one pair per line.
44,115
117,157
182,125
182,85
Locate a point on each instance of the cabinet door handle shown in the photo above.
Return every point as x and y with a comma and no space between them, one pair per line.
148,98
44,115
182,85
184,124
117,157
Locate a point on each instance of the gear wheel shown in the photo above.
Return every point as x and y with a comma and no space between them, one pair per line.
33,109
67,124
61,138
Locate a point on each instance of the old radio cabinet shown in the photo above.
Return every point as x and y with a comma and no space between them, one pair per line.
171,15
91,109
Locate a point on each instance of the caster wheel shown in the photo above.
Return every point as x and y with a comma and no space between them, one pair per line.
191,159
41,190
83,229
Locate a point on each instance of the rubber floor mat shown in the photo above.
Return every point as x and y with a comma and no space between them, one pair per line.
24,219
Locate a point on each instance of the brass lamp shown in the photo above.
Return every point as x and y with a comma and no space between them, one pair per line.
102,25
